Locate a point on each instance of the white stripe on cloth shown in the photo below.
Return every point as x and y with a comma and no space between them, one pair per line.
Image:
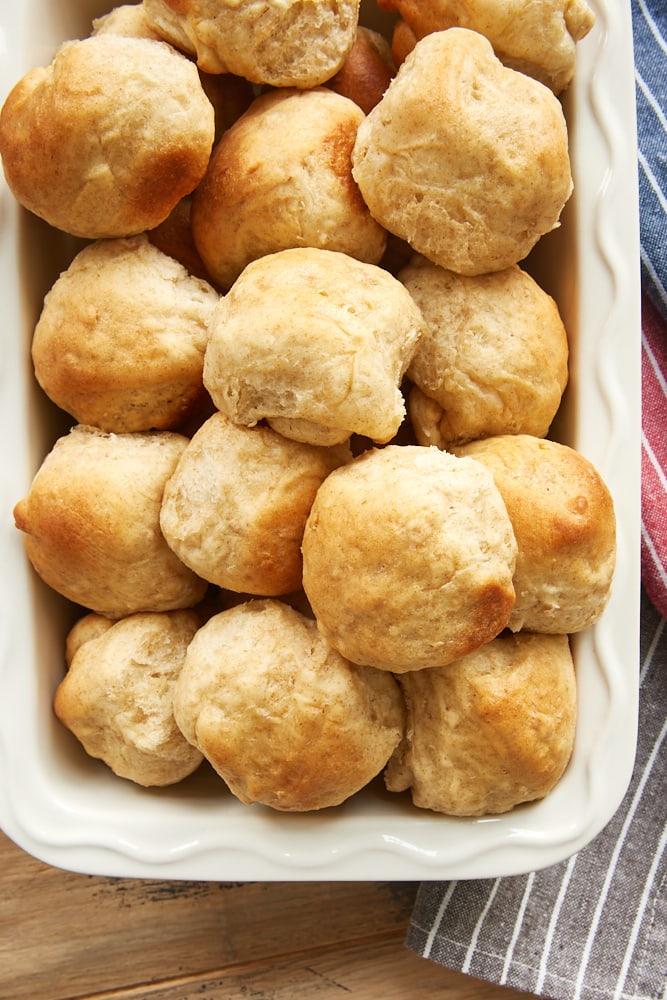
655,30
569,870
627,959
651,178
618,847
648,94
653,274
660,377
634,933
655,558
548,941
478,926
655,642
662,476
517,928
432,934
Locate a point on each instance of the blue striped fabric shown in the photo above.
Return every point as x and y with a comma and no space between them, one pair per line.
593,927
650,33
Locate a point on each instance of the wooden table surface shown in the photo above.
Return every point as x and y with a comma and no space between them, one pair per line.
65,935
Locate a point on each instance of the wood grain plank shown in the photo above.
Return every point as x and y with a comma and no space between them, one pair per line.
64,934
369,970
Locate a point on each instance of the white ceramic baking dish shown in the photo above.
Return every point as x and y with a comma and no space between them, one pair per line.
72,812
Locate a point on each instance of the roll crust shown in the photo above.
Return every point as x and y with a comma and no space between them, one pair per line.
563,518
408,558
121,338
281,177
284,719
116,697
235,507
90,522
490,731
367,71
283,44
68,136
316,343
463,158
537,39
494,359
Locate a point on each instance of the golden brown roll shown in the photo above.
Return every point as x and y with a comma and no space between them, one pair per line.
408,558
563,518
116,697
229,94
403,41
235,507
88,627
128,20
463,158
281,717
91,527
68,135
284,44
121,338
538,39
316,343
494,359
281,177
492,730
367,71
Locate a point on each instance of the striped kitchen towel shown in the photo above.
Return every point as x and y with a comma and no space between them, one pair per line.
649,26
594,927
654,454
590,928
649,18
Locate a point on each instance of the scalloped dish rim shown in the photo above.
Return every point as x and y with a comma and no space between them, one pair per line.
71,812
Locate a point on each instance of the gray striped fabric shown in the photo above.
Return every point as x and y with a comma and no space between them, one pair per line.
593,927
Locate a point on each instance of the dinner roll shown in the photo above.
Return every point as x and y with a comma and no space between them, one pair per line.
538,39
284,43
563,518
121,338
281,177
367,71
494,359
492,730
91,528
116,697
108,138
235,507
316,343
408,558
463,158
84,629
403,41
128,20
282,717
229,94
